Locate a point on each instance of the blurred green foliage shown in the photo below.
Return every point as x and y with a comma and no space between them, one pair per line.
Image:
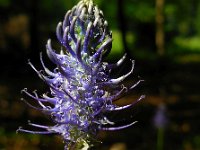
190,43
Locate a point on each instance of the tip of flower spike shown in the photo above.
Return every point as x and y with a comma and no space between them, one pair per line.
49,42
18,130
120,79
66,19
134,85
142,97
58,31
118,128
23,90
28,61
50,52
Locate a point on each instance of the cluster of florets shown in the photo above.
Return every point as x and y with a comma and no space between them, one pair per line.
81,89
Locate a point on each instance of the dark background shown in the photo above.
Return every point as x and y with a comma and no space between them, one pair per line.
162,37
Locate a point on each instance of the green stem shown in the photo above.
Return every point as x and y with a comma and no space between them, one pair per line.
160,139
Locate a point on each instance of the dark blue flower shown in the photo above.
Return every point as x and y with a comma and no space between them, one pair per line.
81,89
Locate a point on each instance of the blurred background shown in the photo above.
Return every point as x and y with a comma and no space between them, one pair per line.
162,37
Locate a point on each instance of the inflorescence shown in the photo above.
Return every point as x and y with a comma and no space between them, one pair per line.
81,89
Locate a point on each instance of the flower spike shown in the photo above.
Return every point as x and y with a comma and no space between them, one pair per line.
81,90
